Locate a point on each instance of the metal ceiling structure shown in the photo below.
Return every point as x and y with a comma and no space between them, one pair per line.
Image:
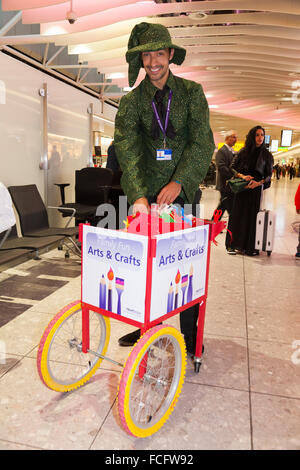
245,53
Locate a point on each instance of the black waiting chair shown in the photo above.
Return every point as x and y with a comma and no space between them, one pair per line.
34,220
13,247
92,188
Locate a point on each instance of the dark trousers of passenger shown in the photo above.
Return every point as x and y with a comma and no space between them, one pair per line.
188,317
226,204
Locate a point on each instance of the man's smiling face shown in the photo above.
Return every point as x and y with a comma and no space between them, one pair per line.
156,65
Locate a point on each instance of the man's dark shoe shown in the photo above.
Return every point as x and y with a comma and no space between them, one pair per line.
130,339
231,251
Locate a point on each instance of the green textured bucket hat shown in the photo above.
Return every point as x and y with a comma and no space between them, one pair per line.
146,37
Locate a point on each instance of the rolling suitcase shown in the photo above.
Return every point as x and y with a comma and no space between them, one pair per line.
265,230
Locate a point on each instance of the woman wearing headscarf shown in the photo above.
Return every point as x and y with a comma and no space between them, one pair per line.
254,163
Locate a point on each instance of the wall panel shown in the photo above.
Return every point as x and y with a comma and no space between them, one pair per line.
21,127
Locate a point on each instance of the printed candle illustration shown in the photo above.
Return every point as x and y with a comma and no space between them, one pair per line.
170,298
189,296
184,281
119,289
177,280
102,293
110,276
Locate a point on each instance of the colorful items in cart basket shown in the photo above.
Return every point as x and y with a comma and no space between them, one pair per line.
186,283
105,301
161,220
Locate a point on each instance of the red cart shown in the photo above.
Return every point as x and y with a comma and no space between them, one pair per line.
142,277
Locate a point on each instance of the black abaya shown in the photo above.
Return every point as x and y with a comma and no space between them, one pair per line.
242,220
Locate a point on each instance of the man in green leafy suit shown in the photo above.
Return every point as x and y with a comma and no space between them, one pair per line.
163,139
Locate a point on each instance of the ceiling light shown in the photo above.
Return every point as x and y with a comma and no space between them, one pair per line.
212,67
115,75
197,15
54,31
213,106
81,49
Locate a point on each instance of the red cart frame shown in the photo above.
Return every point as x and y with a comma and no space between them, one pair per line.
153,375
215,227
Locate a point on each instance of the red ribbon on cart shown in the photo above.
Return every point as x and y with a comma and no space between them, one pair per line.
216,216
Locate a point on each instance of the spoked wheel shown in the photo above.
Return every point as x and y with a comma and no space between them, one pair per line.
151,380
62,365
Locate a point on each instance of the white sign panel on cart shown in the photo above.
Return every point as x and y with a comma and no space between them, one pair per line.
114,268
179,269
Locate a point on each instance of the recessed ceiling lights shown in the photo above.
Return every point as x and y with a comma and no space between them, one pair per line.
215,67
197,15
115,75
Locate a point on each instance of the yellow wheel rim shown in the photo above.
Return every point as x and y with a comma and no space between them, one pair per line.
47,343
133,363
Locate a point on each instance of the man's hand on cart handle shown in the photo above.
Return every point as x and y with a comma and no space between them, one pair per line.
169,193
141,205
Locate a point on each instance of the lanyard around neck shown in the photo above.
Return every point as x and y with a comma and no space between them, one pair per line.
163,128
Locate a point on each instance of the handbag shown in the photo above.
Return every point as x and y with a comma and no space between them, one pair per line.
237,185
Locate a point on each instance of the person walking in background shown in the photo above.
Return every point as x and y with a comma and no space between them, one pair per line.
254,163
297,204
224,157
292,171
278,170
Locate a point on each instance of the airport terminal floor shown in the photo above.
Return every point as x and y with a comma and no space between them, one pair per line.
246,395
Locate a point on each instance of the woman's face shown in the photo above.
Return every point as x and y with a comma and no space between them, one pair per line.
259,137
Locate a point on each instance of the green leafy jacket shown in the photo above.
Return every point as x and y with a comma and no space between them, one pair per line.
192,147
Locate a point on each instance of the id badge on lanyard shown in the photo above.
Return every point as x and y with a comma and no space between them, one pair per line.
163,154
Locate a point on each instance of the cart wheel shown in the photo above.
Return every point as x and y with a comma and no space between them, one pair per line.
61,364
151,380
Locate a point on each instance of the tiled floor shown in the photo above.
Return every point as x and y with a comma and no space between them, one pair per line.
246,396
